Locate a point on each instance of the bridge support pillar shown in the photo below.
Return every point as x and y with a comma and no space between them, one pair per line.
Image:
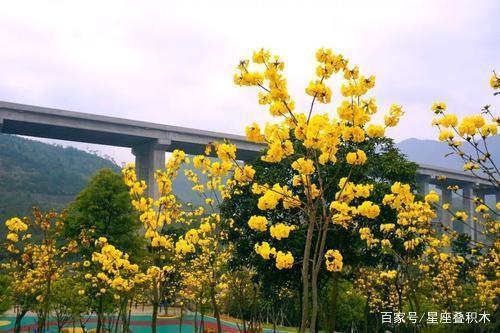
148,159
478,227
446,197
467,197
423,184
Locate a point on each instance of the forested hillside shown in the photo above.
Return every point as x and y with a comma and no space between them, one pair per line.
434,152
36,173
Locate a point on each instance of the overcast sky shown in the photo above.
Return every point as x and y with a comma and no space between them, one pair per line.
172,62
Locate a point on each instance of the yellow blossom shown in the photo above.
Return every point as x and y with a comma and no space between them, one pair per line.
265,250
438,107
16,225
375,131
258,223
13,237
333,261
445,135
304,166
368,209
356,158
280,231
449,120
495,81
319,90
432,197
245,174
284,260
395,114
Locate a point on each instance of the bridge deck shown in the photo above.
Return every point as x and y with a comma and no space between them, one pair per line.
90,128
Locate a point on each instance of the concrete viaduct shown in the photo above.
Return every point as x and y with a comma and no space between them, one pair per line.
150,141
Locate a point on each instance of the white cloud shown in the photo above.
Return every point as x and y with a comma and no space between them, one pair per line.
172,62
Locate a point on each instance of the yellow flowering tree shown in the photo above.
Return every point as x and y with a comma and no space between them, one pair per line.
35,263
161,219
115,276
468,139
313,143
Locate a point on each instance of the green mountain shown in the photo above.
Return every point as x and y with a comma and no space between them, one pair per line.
33,173
435,153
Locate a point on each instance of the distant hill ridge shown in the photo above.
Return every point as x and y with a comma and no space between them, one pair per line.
434,152
36,173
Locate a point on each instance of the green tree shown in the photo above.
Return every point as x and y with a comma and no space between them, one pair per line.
67,304
4,294
103,209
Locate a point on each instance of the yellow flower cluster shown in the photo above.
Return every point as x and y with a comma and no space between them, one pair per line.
380,295
495,81
470,125
366,235
368,209
303,166
448,120
279,144
276,95
356,158
117,272
390,275
350,191
226,152
271,197
184,247
387,227
248,78
432,197
265,250
320,91
438,107
400,195
314,131
395,114
258,223
414,218
375,131
281,230
244,175
446,135
333,261
253,133
16,225
342,213
284,260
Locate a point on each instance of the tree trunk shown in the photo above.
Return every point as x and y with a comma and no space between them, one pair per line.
366,316
314,312
196,317
19,318
305,277
126,329
99,317
155,317
216,309
202,324
41,323
180,319
335,299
